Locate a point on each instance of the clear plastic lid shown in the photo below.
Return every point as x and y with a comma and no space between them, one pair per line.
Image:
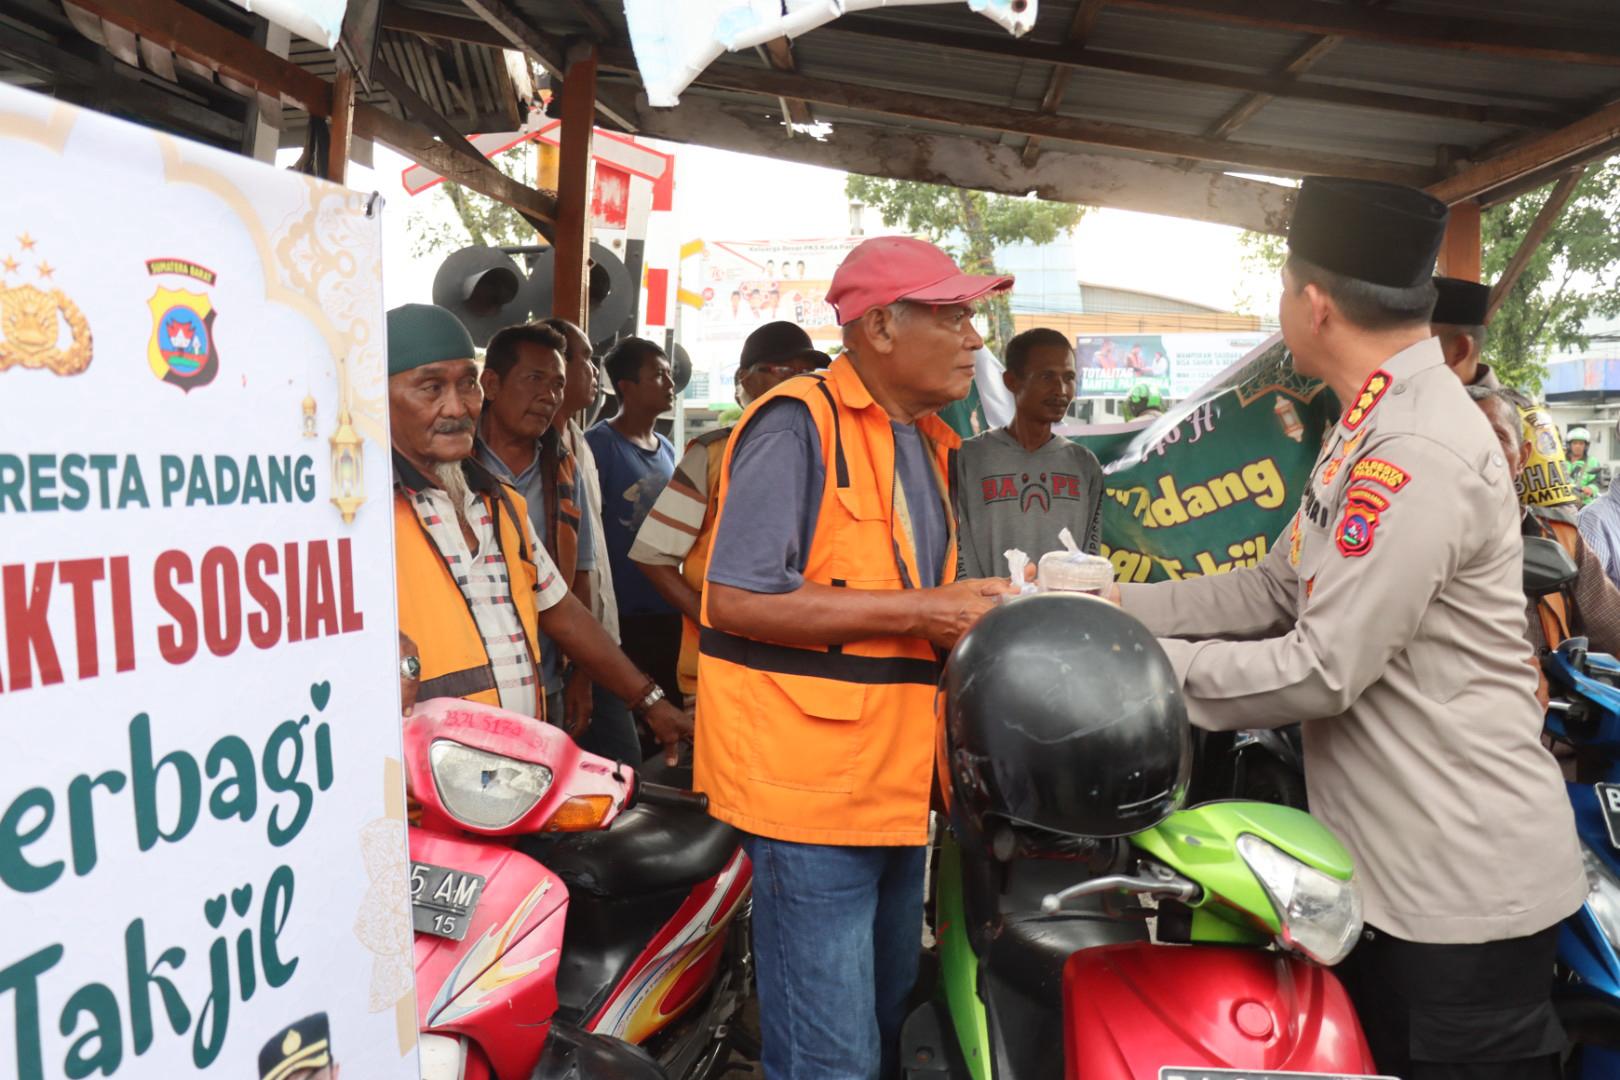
1074,571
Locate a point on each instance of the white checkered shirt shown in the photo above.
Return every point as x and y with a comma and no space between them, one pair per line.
482,576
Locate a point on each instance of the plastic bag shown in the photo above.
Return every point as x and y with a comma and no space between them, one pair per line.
1017,562
1072,570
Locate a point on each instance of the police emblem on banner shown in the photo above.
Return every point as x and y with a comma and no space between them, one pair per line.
182,351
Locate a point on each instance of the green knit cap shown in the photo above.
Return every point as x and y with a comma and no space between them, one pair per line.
421,334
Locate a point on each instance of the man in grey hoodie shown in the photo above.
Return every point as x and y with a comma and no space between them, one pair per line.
1018,486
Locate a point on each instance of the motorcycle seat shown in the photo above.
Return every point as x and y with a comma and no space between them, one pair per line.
1029,950
647,849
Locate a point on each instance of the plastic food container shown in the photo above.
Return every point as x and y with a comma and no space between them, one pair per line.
1074,571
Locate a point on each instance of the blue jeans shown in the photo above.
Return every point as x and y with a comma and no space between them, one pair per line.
612,733
837,932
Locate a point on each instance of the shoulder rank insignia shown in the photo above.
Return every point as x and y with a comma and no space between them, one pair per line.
1379,471
1355,532
1371,391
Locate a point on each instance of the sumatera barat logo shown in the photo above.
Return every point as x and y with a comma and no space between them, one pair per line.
40,326
181,350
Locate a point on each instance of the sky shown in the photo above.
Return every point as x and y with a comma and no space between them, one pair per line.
721,195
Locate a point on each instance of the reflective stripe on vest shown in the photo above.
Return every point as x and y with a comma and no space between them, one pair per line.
818,663
835,744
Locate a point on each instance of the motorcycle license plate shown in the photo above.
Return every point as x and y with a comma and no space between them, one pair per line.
1177,1072
1609,802
443,900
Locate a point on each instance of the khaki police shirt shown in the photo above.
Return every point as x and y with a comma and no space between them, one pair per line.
1390,620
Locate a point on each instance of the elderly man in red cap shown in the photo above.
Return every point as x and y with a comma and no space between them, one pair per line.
831,596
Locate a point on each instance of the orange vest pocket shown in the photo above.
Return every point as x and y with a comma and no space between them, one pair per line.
805,732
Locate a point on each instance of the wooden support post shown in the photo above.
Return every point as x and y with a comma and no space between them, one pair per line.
1460,250
570,271
342,124
1546,218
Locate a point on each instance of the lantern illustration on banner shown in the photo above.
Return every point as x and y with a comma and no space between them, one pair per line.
348,468
309,416
1288,418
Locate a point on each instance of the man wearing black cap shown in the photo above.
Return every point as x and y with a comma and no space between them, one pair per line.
672,546
1458,321
1389,621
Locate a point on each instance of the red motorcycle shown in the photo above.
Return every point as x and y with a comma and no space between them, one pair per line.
572,921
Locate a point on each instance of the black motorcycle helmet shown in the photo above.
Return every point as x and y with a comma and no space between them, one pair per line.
1063,713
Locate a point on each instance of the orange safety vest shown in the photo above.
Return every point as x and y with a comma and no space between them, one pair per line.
696,566
433,611
831,745
1553,609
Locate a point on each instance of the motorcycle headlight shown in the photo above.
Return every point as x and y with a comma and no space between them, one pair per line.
484,790
1320,915
1603,894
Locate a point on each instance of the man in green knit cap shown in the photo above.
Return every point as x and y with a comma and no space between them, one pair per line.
475,587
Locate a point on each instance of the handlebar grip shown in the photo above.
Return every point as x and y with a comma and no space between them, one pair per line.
674,797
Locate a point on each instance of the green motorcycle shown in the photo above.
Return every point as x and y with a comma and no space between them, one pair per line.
1086,927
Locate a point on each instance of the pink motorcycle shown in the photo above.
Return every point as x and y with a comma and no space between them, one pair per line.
572,921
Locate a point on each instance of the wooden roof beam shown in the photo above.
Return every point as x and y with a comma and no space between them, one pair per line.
1576,143
189,34
958,111
463,28
1545,219
122,85
1085,18
778,53
601,31
964,161
1245,110
1278,86
1526,42
543,49
196,37
420,146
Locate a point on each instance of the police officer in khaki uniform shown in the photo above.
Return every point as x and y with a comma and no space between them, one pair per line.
1390,620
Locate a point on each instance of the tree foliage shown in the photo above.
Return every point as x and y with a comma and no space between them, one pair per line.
1573,277
454,217
1262,257
968,224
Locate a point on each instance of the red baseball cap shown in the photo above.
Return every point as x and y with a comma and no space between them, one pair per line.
884,269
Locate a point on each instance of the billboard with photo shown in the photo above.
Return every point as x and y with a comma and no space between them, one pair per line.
1174,364
748,283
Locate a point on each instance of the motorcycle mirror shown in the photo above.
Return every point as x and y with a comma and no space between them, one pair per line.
1547,566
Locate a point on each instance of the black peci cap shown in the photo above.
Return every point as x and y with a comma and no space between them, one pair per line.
1461,303
1385,234
776,342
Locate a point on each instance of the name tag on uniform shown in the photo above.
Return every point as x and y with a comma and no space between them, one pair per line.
1608,796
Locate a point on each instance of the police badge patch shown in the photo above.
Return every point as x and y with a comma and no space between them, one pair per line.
1355,533
182,351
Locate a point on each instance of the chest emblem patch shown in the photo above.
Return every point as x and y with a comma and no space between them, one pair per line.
1350,446
1355,533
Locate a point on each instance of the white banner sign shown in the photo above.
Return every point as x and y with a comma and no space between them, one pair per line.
202,837
748,283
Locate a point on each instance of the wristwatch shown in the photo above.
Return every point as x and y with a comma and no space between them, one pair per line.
410,667
653,696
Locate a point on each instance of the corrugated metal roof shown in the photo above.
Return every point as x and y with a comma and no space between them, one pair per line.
466,81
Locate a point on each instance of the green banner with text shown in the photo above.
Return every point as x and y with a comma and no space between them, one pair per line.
1209,486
